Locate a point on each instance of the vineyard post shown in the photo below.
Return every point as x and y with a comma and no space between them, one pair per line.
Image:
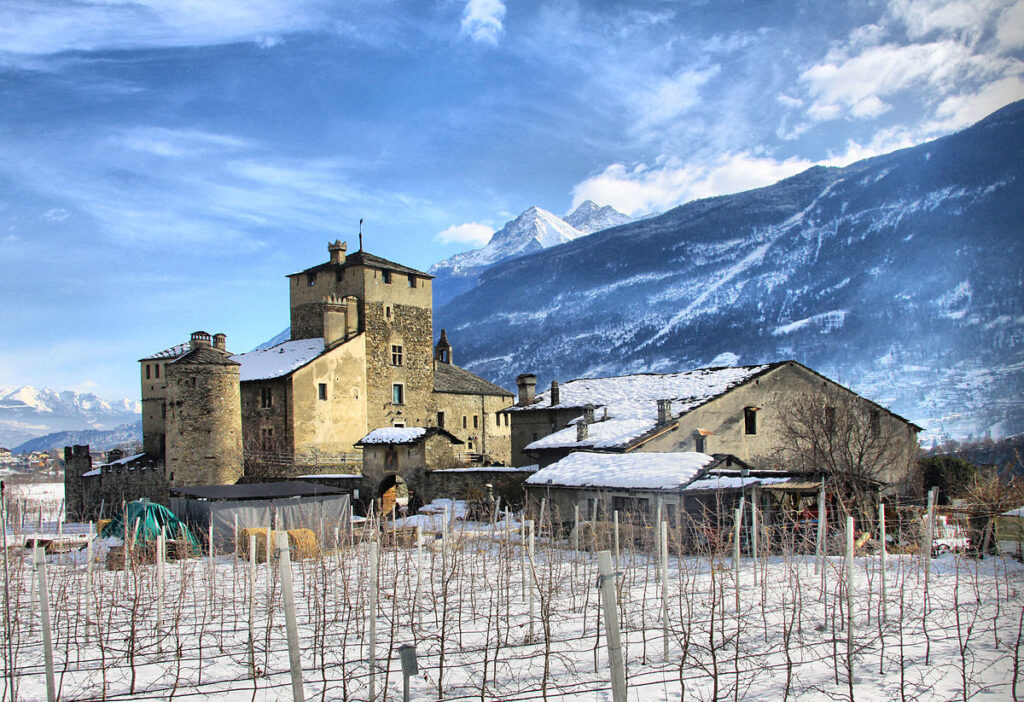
159,588
528,524
252,605
44,614
372,619
615,517
884,558
663,540
611,625
819,561
738,515
294,663
849,601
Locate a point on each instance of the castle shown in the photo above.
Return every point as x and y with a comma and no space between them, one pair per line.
361,357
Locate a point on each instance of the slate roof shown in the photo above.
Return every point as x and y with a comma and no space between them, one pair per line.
278,361
207,355
450,378
362,258
257,491
176,351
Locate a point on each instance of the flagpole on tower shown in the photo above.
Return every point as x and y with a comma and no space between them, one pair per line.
360,233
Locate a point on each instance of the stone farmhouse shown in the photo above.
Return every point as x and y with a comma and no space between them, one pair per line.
361,357
627,443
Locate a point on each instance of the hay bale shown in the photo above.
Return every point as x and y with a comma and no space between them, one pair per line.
303,544
101,525
242,547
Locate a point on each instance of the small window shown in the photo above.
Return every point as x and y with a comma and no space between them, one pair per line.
875,422
339,275
749,420
322,391
476,422
311,279
386,276
412,281
506,420
698,443
400,425
157,369
267,398
398,394
396,355
497,420
440,420
387,312
267,438
147,371
464,421
830,418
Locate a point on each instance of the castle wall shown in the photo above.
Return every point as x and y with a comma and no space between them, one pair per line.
475,419
204,424
391,323
332,425
533,424
77,461
154,398
472,485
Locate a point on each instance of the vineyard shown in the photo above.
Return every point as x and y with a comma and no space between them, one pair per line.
497,612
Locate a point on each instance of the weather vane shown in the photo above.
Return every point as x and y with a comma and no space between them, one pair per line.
360,233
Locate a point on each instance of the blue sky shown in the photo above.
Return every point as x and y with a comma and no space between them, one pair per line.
163,163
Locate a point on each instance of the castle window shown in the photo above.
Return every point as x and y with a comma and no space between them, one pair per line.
157,369
147,371
497,420
874,422
398,394
698,443
267,438
440,420
750,420
476,422
396,355
387,312
266,398
322,391
463,421
400,425
311,279
339,275
412,281
506,420
386,276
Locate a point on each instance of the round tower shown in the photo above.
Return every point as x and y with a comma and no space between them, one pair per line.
204,416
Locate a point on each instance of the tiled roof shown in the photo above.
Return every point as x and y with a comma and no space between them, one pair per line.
206,355
174,352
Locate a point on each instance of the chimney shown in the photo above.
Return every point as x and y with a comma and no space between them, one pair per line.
337,251
199,338
588,414
664,411
555,398
582,429
220,341
527,384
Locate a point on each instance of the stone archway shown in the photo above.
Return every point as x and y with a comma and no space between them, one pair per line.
393,492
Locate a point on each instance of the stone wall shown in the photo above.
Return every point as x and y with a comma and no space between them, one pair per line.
410,327
154,398
471,484
204,424
77,461
475,419
533,424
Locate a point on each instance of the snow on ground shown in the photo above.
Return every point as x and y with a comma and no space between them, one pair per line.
515,629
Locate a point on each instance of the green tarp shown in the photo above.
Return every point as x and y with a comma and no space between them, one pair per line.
144,521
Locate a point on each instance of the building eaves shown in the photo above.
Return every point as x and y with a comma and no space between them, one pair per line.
362,258
207,356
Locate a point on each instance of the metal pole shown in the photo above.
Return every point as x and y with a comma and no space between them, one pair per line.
252,605
285,566
663,539
611,625
44,613
884,554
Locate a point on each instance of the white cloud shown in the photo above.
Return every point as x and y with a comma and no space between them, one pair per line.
668,98
50,26
959,111
482,20
57,214
1010,30
469,233
642,189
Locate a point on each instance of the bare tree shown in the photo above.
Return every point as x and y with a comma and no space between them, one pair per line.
857,447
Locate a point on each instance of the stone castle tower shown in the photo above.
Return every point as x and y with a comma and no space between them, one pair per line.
203,424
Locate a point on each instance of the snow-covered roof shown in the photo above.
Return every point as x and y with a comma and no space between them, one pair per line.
730,482
91,473
125,460
394,435
651,471
1019,512
173,352
278,361
630,402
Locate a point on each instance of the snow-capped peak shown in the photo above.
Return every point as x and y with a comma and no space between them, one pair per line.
590,217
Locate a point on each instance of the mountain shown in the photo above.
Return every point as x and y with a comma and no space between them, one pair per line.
124,435
899,276
534,230
28,412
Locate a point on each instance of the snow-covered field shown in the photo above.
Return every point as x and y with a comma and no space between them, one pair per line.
482,633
